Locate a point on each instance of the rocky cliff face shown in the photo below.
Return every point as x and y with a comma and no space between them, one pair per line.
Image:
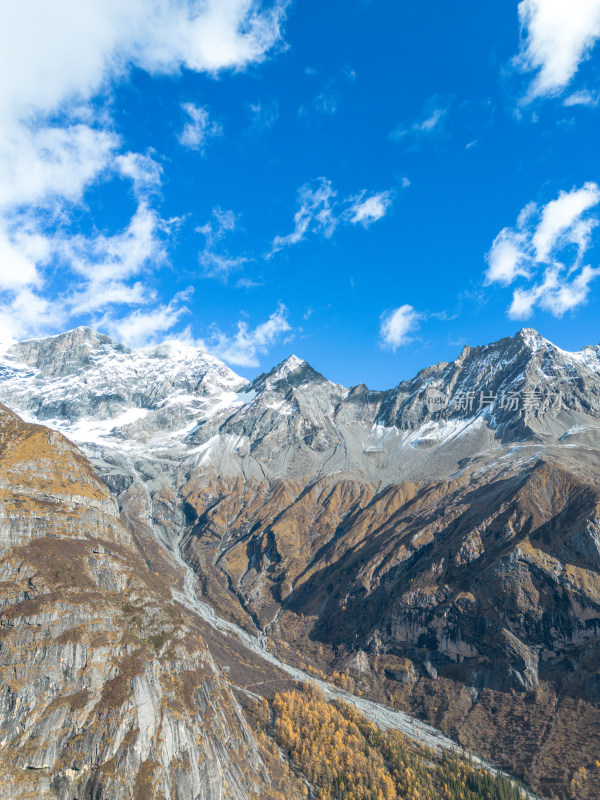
107,689
444,533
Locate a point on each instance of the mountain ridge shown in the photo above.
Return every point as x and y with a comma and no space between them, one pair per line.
439,539
83,336
175,398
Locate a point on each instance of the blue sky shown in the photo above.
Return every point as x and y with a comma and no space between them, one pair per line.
370,184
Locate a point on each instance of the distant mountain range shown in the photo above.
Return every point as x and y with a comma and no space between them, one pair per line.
176,401
438,541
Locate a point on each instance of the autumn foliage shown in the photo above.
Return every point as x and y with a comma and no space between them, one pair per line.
344,756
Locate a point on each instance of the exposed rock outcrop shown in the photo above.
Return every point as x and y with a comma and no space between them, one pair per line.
107,690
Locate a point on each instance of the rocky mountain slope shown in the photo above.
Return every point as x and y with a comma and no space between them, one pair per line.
107,690
440,540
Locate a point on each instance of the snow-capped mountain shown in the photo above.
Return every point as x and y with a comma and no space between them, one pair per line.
178,402
522,390
97,392
517,384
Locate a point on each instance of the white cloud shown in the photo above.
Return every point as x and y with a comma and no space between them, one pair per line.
328,101
523,303
103,259
506,259
104,264
100,269
248,283
562,221
59,62
23,253
315,214
49,162
20,253
219,265
564,296
398,325
143,171
247,344
59,52
215,263
199,129
546,249
558,36
55,56
554,294
320,212
143,327
366,210
582,98
28,314
431,122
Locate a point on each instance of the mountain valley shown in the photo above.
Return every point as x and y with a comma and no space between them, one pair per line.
434,548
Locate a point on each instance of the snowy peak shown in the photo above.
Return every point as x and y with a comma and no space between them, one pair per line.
62,354
532,339
525,341
293,372
94,390
529,345
292,364
99,361
521,387
525,358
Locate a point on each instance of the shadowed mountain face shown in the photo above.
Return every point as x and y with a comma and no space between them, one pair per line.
444,533
495,579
